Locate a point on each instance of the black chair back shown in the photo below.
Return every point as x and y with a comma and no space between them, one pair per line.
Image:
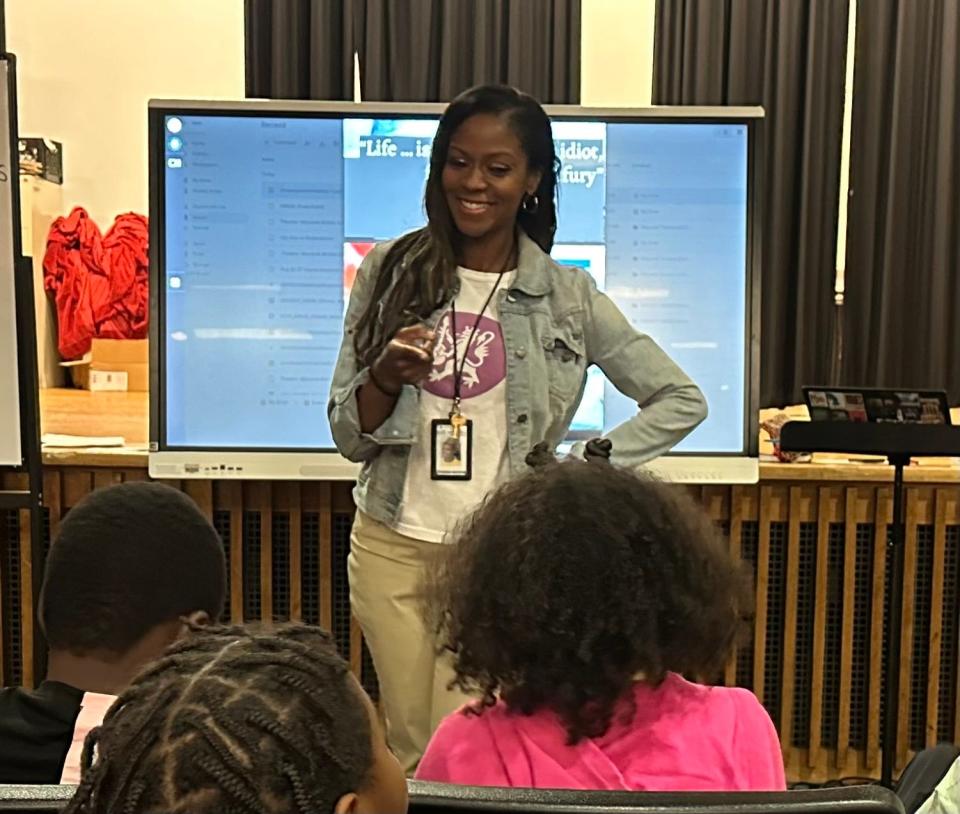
439,798
21,799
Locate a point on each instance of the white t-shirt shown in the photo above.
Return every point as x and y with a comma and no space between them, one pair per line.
431,508
946,796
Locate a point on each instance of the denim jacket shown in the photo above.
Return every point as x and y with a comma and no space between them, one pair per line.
555,324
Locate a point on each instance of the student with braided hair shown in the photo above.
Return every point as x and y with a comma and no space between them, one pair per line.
236,721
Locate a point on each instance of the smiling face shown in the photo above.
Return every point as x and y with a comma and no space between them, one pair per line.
485,177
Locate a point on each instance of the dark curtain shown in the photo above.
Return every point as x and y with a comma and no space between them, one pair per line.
789,57
903,249
430,50
299,49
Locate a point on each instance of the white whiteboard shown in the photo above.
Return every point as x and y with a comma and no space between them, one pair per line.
10,449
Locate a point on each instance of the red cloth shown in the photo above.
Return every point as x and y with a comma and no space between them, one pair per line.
99,283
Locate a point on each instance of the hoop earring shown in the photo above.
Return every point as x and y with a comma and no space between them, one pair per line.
530,205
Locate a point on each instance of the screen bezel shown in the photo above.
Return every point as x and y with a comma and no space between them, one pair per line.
158,110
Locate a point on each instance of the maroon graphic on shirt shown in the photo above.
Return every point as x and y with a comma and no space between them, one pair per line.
484,362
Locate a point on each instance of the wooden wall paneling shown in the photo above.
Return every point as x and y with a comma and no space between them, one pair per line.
341,497
52,499
28,613
286,498
324,506
135,475
936,615
802,506
906,629
716,502
201,492
750,498
913,518
951,499
228,496
882,521
859,509
341,502
830,509
106,477
312,497
737,500
77,483
763,570
256,498
774,508
773,502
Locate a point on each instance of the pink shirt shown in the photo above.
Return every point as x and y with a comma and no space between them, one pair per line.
684,737
92,709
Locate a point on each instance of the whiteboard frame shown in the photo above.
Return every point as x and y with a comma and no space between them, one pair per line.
24,321
11,437
28,500
304,464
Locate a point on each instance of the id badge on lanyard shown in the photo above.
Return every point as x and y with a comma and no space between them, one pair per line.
451,438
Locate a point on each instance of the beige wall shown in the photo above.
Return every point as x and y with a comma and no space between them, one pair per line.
616,46
87,69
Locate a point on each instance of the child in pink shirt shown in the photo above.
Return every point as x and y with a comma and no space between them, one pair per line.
572,602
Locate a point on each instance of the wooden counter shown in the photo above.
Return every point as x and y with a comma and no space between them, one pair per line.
814,537
79,412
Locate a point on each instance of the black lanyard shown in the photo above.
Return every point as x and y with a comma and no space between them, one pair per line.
458,372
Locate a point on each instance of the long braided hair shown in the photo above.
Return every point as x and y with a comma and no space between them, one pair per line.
231,721
419,270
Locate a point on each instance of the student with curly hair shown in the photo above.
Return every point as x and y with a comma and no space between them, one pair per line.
235,721
574,603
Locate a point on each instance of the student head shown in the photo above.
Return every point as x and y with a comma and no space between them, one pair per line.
232,720
493,167
129,564
571,583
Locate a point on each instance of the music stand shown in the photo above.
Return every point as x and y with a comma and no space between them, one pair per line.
899,443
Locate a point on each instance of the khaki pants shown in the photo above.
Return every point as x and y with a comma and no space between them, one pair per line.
385,569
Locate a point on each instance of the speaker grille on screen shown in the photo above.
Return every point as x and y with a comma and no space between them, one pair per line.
251,567
280,534
749,546
920,657
310,567
949,640
803,645
776,590
833,637
860,661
